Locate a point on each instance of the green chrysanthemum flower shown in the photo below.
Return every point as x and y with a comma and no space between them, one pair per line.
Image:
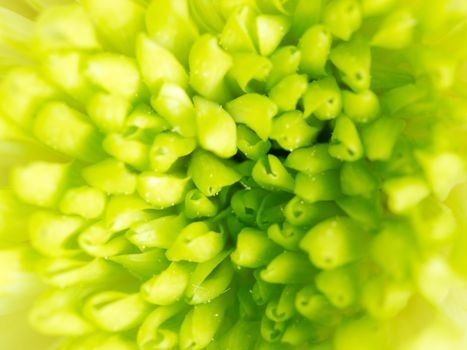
234,174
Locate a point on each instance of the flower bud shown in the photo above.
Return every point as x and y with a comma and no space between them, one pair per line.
175,106
356,179
124,211
271,331
300,330
143,123
345,141
196,242
143,265
128,150
210,174
115,311
270,174
118,22
396,31
380,137
110,176
66,70
55,313
53,234
288,91
253,249
255,111
312,160
85,201
385,299
64,129
250,144
117,74
262,291
353,60
22,92
271,209
209,65
434,222
108,112
197,205
339,285
97,240
319,187
157,330
315,307
287,236
172,27
168,286
238,31
65,272
322,99
162,190
288,268
285,61
301,213
245,204
41,183
405,192
65,27
291,131
364,210
160,232
342,18
217,132
202,323
314,46
334,242
167,148
249,71
210,280
361,107
158,65
270,30
282,308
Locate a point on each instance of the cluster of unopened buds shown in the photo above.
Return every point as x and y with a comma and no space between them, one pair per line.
235,174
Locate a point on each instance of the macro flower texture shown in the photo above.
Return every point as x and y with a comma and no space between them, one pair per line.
233,174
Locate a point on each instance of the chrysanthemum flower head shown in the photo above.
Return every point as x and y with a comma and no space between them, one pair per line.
235,174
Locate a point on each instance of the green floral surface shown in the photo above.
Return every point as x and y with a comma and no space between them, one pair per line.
233,174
